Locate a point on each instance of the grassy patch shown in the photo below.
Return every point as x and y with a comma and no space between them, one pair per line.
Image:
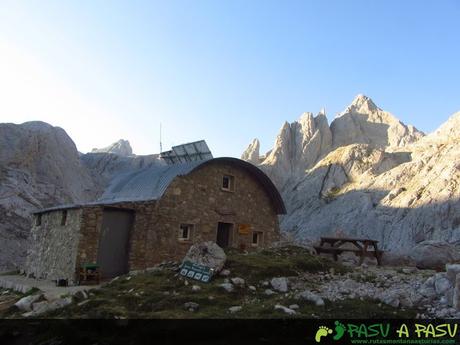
332,194
162,294
368,277
7,299
277,262
115,301
9,273
32,291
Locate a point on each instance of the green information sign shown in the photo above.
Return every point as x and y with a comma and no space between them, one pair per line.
195,271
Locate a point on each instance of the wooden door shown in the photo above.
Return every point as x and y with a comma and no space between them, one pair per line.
223,234
114,242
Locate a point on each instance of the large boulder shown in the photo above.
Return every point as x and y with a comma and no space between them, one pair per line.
280,284
43,307
395,258
208,254
434,254
25,303
452,271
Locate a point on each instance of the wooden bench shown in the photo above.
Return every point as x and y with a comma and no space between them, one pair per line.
89,274
334,246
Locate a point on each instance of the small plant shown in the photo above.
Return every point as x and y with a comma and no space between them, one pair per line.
331,194
32,291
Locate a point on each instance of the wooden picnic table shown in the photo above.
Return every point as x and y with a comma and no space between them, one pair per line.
361,246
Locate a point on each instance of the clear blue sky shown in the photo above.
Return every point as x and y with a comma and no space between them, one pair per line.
225,71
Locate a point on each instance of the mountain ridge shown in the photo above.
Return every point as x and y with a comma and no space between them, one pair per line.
398,187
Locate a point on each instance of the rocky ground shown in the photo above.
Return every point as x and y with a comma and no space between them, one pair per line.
274,283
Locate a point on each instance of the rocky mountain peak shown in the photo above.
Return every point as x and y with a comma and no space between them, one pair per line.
302,143
121,148
449,131
252,153
297,147
37,126
361,104
362,122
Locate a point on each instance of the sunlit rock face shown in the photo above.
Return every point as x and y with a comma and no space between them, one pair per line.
373,176
121,148
297,147
364,123
252,153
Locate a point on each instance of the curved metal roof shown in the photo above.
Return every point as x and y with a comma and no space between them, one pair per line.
151,183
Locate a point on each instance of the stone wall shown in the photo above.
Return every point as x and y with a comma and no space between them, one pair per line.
54,246
198,199
91,225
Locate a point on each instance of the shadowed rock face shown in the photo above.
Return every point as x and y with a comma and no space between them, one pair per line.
104,166
41,167
379,179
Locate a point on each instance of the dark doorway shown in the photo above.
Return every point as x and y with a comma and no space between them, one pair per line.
114,242
223,234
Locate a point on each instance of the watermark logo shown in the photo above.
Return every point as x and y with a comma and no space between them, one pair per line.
389,333
324,331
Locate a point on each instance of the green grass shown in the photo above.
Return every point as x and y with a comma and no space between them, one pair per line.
162,294
368,277
284,261
10,273
115,301
6,307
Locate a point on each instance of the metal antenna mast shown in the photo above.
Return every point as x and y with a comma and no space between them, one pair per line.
161,144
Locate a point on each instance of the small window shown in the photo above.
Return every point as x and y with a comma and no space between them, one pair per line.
228,183
185,232
38,219
257,238
64,217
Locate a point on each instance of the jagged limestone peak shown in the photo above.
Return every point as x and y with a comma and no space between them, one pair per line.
121,147
252,153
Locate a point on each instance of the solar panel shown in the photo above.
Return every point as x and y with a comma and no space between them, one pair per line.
190,152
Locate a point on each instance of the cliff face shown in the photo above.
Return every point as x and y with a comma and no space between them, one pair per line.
297,147
364,123
102,167
41,167
252,153
379,178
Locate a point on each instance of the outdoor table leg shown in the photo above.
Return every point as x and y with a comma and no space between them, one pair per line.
363,253
377,254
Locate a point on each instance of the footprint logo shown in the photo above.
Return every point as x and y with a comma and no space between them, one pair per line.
321,332
339,330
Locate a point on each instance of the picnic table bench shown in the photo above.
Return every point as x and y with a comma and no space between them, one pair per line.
361,246
89,273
